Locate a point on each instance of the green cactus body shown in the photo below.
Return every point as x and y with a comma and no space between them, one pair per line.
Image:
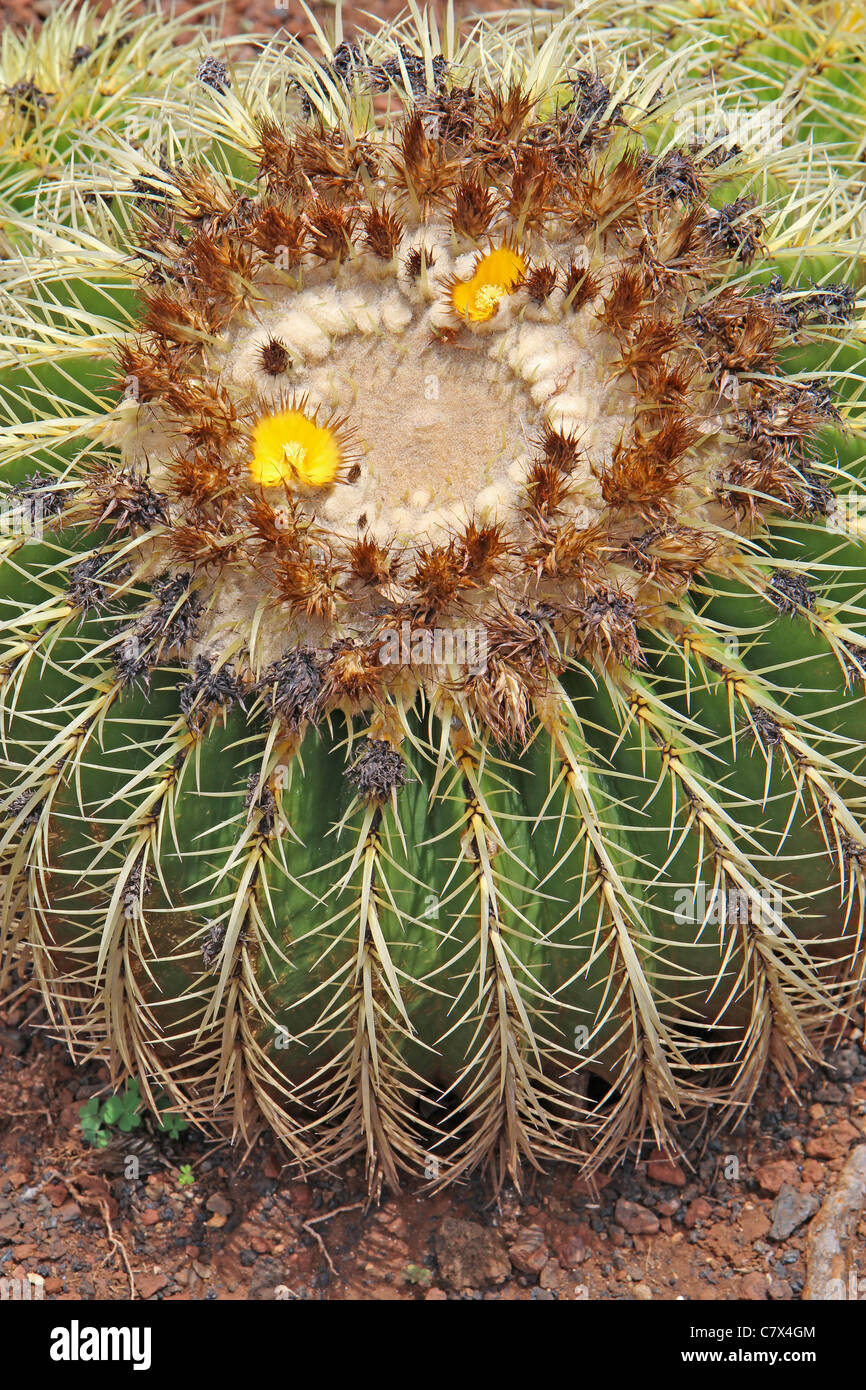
499,369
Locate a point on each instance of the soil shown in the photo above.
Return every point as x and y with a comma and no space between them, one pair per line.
735,1225
258,17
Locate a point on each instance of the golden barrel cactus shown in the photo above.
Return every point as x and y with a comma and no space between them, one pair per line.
432,644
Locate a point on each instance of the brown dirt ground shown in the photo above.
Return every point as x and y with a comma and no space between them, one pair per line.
246,1229
259,17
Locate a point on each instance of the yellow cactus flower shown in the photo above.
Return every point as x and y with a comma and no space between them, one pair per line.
291,448
496,274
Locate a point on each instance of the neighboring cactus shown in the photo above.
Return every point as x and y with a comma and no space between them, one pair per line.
803,55
434,706
65,90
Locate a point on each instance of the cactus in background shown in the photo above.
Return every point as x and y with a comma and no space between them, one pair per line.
802,54
432,692
78,81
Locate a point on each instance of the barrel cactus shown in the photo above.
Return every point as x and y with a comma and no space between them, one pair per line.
432,635
65,89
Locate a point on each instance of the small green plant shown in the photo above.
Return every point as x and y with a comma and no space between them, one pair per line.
91,1119
122,1111
126,1111
418,1275
185,1177
170,1124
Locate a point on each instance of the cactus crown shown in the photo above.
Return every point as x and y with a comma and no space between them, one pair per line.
469,369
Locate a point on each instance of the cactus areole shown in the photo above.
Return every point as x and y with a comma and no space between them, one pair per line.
433,702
